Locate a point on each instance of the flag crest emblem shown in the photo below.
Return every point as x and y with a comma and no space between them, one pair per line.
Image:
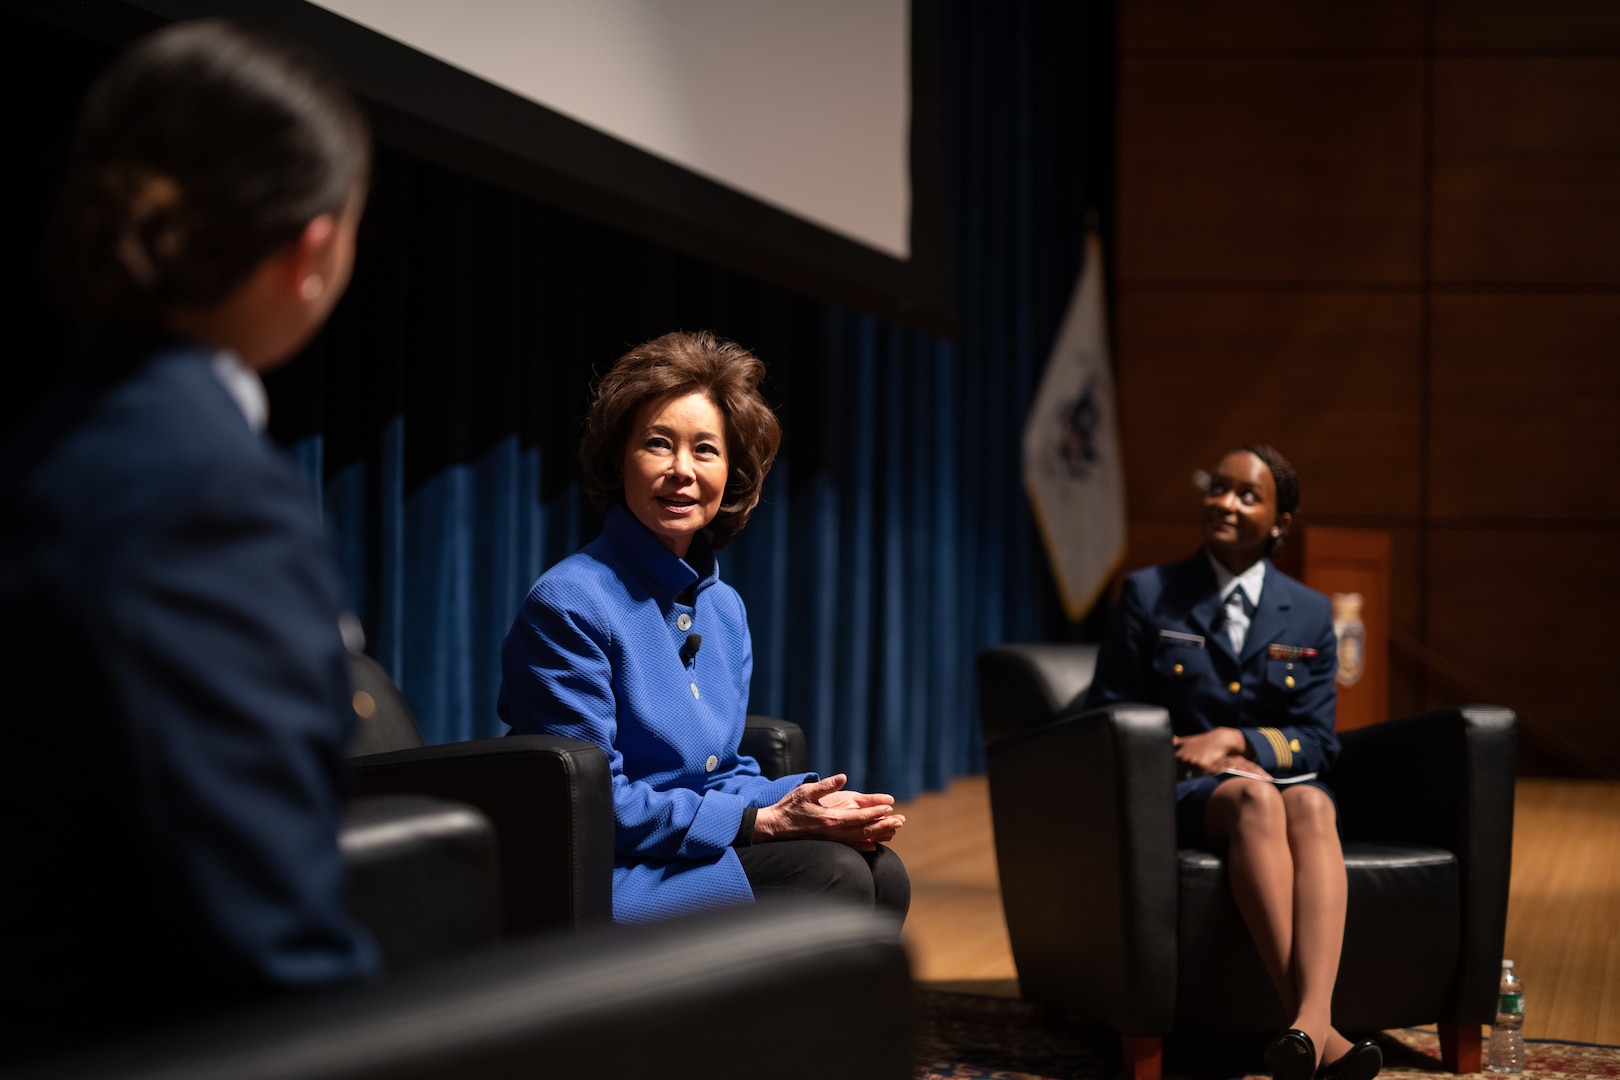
1072,468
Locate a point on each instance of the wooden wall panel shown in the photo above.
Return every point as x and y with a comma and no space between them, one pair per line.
1528,615
1525,391
1406,675
1331,379
1526,181
1520,26
1376,269
1270,169
1171,538
1270,24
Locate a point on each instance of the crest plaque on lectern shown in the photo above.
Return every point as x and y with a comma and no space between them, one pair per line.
1352,637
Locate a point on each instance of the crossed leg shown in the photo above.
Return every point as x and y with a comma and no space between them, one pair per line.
1287,874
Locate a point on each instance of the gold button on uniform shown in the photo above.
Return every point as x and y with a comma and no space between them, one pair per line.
1234,686
708,766
683,621
1288,681
1177,669
364,704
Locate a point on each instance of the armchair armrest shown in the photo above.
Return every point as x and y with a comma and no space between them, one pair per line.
422,877
1084,818
609,1002
1444,779
778,745
551,801
1027,685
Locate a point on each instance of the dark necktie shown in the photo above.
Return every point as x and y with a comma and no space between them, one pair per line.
1238,613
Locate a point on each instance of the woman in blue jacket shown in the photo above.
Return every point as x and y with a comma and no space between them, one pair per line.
1244,658
635,644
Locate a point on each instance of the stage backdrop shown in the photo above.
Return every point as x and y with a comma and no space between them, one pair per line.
438,418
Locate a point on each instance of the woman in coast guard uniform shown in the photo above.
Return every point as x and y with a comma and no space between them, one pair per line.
176,683
1244,659
634,643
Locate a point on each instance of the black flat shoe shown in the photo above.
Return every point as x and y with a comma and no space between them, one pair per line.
1361,1062
1292,1056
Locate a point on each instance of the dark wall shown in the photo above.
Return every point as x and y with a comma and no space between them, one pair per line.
1383,237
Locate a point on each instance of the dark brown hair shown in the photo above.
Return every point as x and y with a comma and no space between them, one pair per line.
673,366
199,153
1287,481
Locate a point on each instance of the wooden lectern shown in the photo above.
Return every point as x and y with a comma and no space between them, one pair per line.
1353,567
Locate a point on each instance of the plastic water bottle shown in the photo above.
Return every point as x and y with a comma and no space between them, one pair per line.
1506,1051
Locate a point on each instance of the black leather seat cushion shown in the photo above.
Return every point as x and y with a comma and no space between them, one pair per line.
1404,916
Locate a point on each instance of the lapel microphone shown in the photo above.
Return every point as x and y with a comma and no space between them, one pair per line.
689,649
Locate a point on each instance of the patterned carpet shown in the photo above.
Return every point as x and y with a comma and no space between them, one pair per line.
972,1037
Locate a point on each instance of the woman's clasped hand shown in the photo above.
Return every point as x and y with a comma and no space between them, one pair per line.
1212,752
827,810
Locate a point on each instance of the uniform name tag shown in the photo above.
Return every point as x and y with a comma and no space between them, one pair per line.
1290,652
1176,637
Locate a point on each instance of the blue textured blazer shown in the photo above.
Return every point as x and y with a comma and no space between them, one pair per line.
176,704
596,653
1165,645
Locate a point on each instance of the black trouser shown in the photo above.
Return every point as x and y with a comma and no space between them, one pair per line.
876,879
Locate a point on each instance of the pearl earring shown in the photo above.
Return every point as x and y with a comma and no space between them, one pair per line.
312,287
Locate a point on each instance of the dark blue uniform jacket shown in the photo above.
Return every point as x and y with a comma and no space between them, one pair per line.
176,709
1166,645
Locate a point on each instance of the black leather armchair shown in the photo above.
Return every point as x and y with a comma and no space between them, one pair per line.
698,998
550,799
778,745
1110,922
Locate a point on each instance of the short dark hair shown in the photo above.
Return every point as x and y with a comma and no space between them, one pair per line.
1286,480
675,365
200,152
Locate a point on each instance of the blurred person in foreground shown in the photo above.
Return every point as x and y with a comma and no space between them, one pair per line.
177,696
634,643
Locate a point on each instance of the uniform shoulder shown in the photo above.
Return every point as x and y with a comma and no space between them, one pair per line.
164,450
179,405
170,427
1153,581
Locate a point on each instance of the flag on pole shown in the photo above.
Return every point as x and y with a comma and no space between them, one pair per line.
1072,467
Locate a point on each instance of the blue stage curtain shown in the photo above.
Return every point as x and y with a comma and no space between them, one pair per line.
438,417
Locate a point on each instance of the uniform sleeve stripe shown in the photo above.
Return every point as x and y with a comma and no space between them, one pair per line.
1279,747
